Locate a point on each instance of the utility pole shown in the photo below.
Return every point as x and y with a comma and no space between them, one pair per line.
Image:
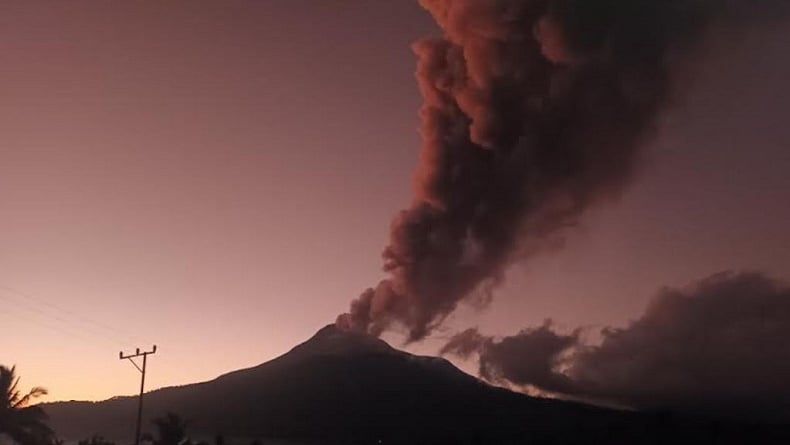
131,358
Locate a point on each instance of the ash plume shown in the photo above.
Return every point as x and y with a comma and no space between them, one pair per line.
717,345
534,110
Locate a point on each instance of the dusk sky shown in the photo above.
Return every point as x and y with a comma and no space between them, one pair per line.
219,180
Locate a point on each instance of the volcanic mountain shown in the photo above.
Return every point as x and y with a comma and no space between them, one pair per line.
341,387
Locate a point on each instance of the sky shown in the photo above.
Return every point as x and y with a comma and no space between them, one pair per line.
219,180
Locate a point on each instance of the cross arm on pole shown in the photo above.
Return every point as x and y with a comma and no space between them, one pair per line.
131,357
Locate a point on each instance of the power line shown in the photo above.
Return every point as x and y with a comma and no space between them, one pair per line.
31,318
54,322
67,316
36,310
82,318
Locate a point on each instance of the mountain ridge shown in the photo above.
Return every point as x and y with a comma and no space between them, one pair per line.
341,387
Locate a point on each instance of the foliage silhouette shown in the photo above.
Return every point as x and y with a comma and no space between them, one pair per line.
171,430
23,423
95,440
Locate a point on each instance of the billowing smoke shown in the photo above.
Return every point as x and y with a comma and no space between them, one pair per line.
533,111
529,358
720,344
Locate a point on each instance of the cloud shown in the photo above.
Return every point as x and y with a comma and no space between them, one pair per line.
527,358
719,345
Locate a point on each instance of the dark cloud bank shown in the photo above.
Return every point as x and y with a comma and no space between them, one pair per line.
720,345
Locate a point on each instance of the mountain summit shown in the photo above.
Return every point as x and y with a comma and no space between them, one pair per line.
332,340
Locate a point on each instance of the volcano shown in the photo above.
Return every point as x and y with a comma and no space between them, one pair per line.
342,387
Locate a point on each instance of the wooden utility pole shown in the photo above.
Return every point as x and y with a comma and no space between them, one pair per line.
130,357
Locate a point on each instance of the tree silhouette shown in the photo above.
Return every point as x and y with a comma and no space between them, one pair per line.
23,423
95,440
171,429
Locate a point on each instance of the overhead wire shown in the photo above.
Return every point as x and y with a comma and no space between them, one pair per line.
62,316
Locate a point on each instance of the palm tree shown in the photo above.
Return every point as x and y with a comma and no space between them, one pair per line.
172,429
23,423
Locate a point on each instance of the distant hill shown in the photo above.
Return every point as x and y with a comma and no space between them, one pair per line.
346,388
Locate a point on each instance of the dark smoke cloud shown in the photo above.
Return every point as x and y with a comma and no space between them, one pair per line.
539,352
533,111
719,345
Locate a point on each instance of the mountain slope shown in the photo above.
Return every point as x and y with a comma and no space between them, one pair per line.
341,387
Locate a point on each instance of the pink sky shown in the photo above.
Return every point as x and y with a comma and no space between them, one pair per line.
218,179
